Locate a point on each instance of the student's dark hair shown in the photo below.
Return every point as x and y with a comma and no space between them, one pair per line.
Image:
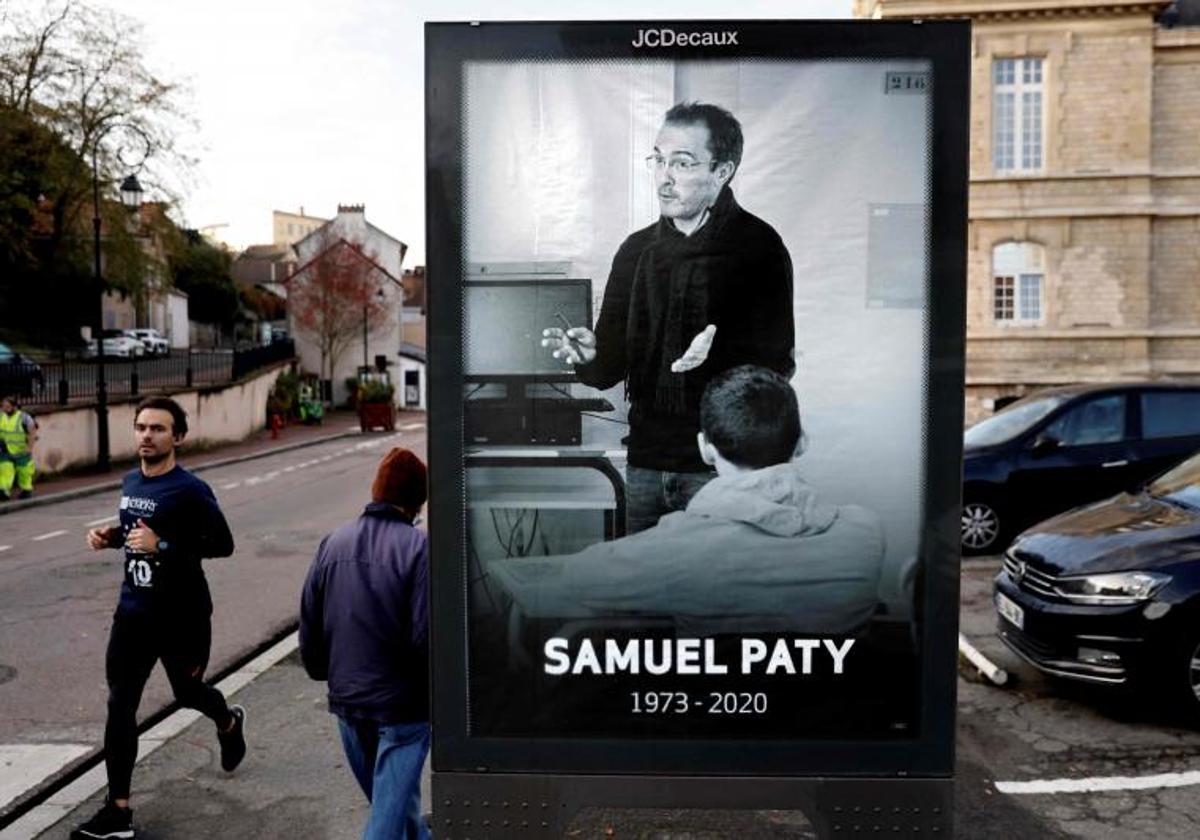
751,416
179,426
724,131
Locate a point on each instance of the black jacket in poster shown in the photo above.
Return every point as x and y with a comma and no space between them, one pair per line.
665,288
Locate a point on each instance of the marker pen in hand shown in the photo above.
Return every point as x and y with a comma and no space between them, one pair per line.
566,334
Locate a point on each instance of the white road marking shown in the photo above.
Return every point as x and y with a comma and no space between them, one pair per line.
1101,783
21,762
289,469
231,485
5,547
410,426
41,537
96,522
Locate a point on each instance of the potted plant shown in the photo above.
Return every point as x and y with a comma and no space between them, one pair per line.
375,406
281,401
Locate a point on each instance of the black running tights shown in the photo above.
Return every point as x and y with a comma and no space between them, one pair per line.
136,642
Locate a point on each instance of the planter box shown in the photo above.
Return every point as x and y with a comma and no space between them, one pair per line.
376,416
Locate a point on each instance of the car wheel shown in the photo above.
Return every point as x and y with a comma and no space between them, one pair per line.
981,526
1183,677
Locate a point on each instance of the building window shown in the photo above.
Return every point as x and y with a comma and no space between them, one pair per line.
1017,276
1017,114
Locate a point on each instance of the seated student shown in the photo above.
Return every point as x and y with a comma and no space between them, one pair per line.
754,551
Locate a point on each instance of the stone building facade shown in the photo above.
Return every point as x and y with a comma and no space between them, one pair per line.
1084,212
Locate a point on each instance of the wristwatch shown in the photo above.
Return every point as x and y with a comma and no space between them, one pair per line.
163,545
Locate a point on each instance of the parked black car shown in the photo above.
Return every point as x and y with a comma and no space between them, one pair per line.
19,374
1063,447
1110,593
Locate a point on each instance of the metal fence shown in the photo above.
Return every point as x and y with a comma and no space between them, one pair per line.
67,380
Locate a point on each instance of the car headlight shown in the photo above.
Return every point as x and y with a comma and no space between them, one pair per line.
1113,589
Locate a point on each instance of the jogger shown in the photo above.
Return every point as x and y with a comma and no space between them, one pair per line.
169,522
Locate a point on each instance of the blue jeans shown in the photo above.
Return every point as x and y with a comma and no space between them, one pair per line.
386,760
651,493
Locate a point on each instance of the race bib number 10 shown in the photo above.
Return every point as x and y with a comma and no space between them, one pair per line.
140,572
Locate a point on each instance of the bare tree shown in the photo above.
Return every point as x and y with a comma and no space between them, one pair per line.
27,54
332,296
80,70
74,82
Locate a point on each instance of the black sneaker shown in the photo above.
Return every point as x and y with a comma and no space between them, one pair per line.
233,742
25,494
109,822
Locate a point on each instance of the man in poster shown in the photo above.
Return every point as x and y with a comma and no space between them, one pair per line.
706,288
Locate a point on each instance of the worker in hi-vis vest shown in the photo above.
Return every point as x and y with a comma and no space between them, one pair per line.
18,434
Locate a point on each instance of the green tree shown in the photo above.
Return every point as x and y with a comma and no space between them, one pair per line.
203,272
36,168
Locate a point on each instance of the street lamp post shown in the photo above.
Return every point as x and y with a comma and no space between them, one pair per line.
366,303
131,197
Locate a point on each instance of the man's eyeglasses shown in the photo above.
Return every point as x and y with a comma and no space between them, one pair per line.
676,166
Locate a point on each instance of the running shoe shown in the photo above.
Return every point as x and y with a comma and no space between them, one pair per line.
110,823
233,742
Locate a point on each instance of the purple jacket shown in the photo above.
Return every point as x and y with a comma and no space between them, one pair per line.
364,618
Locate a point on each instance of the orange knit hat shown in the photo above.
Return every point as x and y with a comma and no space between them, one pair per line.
400,480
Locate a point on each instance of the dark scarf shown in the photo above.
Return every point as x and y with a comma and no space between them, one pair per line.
669,303
385,511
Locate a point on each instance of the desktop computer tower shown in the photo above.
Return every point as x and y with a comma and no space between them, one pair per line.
524,422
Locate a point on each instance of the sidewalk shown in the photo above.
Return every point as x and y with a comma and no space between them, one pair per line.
337,424
293,783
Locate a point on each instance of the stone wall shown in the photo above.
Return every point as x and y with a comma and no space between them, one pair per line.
68,437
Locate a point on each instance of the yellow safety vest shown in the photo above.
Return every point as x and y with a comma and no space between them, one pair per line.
13,434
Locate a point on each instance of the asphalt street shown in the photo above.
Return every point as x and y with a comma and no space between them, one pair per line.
57,597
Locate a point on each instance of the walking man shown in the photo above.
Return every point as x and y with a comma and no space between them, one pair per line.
169,520
364,628
18,434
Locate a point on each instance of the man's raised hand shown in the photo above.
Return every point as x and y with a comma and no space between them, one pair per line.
142,539
697,351
576,346
100,538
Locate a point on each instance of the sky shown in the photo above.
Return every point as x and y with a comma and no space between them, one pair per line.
308,104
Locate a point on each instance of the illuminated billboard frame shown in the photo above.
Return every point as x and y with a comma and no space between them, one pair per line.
481,79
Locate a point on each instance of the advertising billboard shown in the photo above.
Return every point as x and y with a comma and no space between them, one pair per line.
696,309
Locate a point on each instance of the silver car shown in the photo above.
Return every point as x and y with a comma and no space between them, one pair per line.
155,342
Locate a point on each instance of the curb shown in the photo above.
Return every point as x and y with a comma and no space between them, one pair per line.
115,484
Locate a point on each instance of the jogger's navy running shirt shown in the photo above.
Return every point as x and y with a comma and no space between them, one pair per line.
182,510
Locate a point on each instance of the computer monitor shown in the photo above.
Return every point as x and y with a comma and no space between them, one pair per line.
503,325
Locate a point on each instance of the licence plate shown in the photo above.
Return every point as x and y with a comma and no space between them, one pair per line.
1010,610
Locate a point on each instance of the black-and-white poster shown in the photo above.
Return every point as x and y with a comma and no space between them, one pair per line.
696,335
